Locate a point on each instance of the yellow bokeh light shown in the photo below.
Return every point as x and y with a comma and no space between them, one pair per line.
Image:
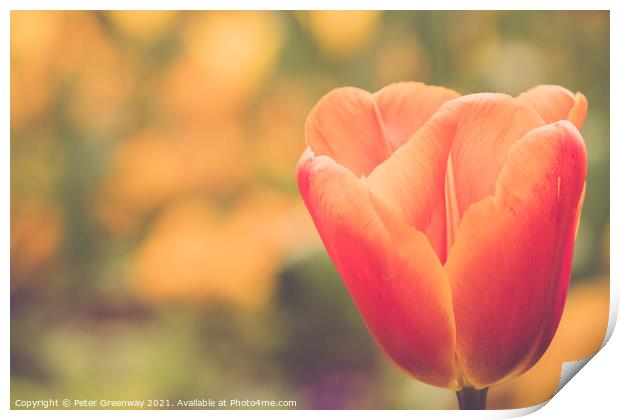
34,36
341,34
36,234
153,166
228,57
195,252
143,26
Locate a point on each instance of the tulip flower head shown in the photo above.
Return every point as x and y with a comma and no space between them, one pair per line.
451,219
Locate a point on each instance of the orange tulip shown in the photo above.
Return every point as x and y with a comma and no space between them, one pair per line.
450,219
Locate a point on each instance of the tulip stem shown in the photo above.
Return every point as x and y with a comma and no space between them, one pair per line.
472,398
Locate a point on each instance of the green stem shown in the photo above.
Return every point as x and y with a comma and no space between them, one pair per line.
472,398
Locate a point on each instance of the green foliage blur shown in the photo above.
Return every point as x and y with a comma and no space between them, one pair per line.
159,249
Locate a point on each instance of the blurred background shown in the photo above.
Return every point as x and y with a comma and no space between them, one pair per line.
159,248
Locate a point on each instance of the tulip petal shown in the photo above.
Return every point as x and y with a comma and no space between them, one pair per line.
396,281
411,182
509,267
345,125
486,125
473,133
555,103
406,106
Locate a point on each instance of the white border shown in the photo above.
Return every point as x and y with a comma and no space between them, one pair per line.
594,394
